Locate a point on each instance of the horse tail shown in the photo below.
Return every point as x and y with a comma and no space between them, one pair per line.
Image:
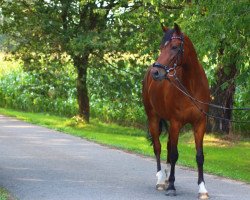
163,127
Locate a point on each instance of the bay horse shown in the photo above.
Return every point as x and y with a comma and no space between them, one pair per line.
176,66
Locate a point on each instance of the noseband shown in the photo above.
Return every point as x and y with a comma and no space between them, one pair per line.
168,68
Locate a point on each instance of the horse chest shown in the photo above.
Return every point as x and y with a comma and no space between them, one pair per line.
166,102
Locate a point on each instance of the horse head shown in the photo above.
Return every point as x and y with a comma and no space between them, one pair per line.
171,53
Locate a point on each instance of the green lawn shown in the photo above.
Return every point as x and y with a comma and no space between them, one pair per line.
222,157
4,195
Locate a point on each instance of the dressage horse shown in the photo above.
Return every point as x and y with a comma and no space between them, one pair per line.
168,85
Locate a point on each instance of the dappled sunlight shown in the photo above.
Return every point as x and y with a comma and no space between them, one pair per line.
40,141
245,144
18,126
46,143
3,119
20,137
29,179
73,123
16,168
210,140
17,157
69,181
44,131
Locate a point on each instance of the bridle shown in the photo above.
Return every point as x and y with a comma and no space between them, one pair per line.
168,68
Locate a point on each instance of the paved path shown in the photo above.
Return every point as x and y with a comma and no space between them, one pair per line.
40,164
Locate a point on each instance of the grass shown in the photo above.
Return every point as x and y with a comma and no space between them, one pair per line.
4,194
225,158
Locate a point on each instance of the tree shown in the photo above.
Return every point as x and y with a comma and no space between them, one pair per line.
91,34
220,31
47,30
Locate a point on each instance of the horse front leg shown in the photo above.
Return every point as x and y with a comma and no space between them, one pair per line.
154,130
199,131
172,156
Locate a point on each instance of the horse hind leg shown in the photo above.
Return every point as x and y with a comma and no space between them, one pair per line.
199,131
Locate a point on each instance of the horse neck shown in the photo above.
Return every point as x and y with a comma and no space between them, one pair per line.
193,76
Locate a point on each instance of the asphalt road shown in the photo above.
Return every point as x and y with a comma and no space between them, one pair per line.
41,164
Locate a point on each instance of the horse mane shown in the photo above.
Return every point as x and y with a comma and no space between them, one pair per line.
195,67
191,46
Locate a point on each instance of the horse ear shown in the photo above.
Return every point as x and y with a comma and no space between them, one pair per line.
177,28
164,28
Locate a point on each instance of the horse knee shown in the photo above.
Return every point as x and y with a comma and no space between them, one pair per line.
200,157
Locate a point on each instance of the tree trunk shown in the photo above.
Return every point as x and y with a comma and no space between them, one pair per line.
223,94
81,63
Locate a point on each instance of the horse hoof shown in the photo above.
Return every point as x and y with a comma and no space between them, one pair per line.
160,187
171,193
203,196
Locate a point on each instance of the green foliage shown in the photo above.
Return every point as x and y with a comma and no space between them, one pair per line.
220,32
4,194
121,39
54,92
116,94
46,91
219,27
242,99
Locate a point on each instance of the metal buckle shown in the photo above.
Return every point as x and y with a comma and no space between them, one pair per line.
171,69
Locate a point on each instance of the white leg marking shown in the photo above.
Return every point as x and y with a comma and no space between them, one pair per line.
202,188
160,178
160,185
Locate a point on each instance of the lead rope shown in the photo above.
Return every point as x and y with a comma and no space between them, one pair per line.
196,101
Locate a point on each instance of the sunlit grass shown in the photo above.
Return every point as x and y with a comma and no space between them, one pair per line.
222,157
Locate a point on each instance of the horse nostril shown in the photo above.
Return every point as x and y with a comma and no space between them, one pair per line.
156,73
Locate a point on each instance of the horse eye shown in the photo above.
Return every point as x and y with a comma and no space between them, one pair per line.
174,47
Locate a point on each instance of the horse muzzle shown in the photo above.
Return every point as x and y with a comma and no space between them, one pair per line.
157,74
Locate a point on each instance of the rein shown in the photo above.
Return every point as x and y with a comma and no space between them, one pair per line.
196,102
